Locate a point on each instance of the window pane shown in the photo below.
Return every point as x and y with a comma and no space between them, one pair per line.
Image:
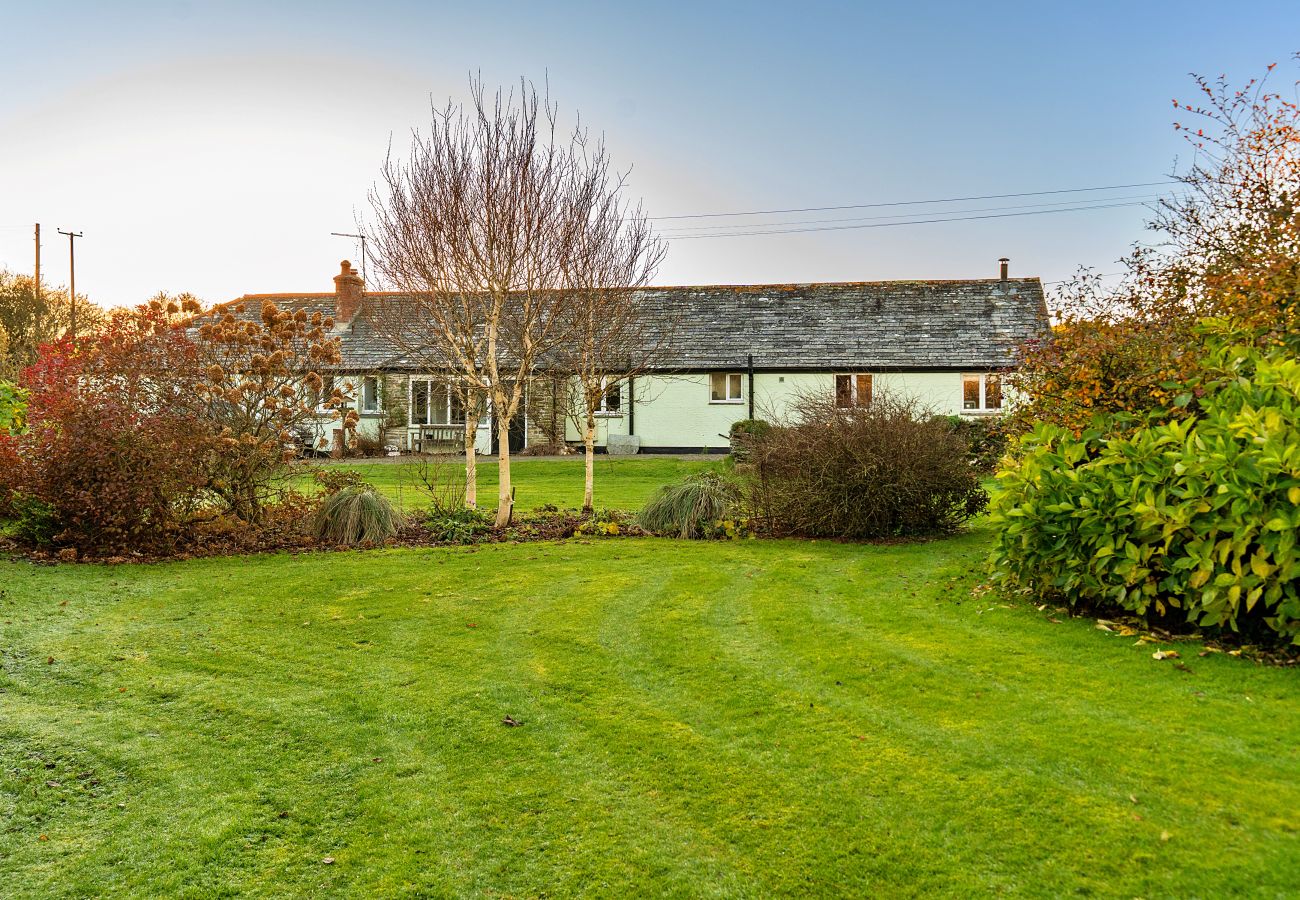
419,402
613,397
718,389
970,386
370,393
735,387
438,404
457,408
843,391
993,391
864,390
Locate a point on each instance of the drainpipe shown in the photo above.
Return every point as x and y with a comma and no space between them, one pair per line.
631,405
751,385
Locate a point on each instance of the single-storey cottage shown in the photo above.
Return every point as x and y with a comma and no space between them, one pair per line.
734,352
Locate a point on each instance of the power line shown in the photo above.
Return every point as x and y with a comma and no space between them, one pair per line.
774,212
1064,280
1037,212
695,228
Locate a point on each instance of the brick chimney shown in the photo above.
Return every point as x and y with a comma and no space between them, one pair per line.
349,293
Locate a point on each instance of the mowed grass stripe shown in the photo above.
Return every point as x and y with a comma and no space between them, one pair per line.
668,738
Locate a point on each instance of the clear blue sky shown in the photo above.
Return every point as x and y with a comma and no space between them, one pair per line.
213,147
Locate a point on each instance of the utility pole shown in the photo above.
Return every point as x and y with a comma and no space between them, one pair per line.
72,281
362,238
37,283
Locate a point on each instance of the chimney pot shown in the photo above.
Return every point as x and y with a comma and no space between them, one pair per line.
1003,264
349,293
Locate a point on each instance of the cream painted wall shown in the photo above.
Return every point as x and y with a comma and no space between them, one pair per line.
675,411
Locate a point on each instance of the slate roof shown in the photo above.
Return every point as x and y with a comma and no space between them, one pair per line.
875,326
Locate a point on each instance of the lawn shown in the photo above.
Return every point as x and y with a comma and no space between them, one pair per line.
698,719
621,482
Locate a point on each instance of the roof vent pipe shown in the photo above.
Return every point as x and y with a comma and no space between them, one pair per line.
1002,267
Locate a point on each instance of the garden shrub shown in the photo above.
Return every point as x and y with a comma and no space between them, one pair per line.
884,470
689,508
13,408
251,368
743,434
355,515
457,525
1194,518
986,438
110,460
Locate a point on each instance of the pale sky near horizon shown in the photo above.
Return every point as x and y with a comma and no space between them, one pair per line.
213,147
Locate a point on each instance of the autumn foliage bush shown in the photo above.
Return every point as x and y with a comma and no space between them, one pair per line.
143,434
1228,248
109,460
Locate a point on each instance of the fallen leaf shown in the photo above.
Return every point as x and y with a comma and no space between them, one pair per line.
1165,654
42,838
1164,835
1133,798
329,860
1054,621
511,721
49,660
1102,626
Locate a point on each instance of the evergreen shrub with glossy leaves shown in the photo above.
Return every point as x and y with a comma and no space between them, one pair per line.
1195,517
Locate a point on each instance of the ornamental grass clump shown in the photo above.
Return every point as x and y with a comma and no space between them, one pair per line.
355,515
689,508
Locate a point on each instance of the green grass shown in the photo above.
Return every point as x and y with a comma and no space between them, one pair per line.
621,482
747,719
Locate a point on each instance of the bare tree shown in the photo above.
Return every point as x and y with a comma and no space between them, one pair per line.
612,334
478,230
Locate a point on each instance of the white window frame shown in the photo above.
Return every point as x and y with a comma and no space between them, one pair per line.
378,397
855,401
603,409
729,398
983,378
429,383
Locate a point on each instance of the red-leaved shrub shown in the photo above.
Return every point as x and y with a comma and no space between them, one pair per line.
112,457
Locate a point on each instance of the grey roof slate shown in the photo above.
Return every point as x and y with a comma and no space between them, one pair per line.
880,326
